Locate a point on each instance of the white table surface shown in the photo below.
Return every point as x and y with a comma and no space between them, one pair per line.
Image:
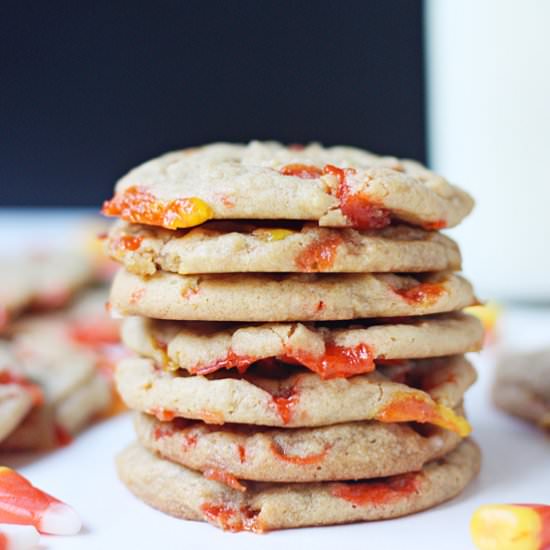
516,462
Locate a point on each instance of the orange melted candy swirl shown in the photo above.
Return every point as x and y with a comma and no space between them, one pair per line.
361,210
421,294
221,476
230,361
164,415
129,243
386,491
242,453
337,361
435,225
304,171
285,401
232,519
319,255
136,205
405,407
314,458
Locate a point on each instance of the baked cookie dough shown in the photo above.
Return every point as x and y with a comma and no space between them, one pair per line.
522,386
45,281
330,350
186,494
354,450
58,352
270,297
301,398
240,247
18,395
336,186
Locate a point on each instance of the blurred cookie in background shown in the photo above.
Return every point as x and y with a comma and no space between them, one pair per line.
58,344
40,282
68,354
18,395
522,386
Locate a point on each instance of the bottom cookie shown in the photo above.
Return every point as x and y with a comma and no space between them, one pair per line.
259,507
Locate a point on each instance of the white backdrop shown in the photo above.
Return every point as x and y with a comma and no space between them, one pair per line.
488,72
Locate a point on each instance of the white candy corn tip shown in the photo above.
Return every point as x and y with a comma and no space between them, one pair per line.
20,537
59,519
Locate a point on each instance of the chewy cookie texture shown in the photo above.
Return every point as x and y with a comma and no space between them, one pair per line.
297,320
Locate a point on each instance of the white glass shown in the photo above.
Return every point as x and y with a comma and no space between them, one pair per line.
488,67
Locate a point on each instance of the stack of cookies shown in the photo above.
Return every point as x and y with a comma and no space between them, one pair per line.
297,318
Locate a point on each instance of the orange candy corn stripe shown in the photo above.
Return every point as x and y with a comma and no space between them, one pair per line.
23,504
136,205
405,407
511,527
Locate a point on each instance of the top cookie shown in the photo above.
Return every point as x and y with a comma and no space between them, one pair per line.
336,186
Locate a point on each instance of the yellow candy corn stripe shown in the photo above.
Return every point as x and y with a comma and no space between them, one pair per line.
414,407
272,235
511,527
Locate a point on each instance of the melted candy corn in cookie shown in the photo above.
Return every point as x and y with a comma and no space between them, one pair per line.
330,350
270,297
187,494
335,186
238,247
296,315
352,450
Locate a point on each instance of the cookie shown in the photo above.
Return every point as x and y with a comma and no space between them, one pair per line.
330,350
354,450
186,494
58,277
522,386
47,355
18,395
40,282
16,291
55,424
301,398
233,247
85,404
268,297
62,350
62,353
37,432
15,403
336,186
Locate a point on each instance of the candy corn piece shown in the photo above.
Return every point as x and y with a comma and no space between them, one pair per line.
18,537
22,503
511,527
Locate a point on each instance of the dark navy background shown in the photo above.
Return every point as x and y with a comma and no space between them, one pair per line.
89,89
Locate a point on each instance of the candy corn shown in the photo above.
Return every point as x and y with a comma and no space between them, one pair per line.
18,537
511,527
22,503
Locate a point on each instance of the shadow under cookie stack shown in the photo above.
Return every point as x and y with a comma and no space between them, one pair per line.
299,333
